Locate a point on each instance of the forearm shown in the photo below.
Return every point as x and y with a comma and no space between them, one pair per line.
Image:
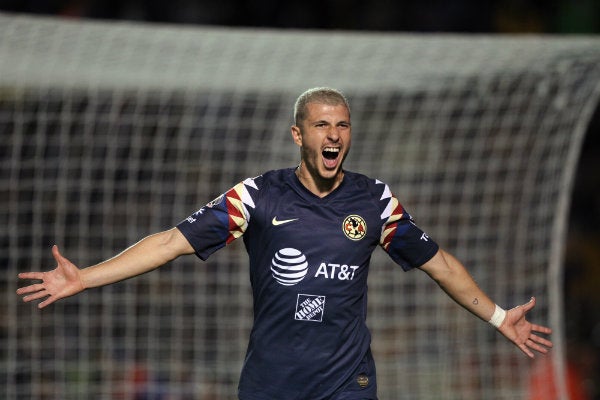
455,280
144,256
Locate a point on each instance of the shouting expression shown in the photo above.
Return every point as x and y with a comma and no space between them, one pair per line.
324,138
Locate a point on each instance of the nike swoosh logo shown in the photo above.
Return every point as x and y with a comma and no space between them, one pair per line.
276,222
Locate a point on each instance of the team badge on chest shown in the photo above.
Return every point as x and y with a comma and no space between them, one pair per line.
354,227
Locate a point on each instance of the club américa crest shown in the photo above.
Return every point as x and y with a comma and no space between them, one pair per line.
354,227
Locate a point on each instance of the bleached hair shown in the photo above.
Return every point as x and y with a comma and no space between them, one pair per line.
322,95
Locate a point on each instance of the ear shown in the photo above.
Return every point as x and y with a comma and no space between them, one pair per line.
297,135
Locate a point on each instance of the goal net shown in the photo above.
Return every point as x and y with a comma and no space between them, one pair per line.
112,131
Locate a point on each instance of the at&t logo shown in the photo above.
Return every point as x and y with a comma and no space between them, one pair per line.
289,266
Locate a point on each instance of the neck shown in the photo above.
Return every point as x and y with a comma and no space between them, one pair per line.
316,184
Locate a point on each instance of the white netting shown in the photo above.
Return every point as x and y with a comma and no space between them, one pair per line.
112,131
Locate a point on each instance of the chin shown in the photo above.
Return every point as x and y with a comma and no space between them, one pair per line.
331,174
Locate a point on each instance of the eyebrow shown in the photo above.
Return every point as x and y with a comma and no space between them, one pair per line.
322,121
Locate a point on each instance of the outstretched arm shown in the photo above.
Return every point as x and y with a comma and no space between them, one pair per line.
453,278
67,279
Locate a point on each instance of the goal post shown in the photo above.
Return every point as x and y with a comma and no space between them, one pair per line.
111,131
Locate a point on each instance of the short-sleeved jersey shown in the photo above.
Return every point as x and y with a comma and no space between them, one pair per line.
309,261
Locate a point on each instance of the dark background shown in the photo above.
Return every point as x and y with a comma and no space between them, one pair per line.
582,264
550,16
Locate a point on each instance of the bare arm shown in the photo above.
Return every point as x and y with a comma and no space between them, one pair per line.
67,279
453,278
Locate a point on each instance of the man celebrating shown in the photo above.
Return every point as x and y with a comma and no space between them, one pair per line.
309,232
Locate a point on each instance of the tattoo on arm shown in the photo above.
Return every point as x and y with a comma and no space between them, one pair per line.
475,301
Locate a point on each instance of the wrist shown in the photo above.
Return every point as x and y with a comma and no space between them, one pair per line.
497,317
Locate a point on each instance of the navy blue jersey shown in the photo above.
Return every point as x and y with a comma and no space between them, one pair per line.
309,261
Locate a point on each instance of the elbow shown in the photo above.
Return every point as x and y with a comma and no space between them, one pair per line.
174,244
440,268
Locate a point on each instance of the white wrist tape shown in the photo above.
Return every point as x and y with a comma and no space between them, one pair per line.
498,317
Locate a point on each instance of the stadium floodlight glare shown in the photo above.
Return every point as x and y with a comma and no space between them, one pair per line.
111,131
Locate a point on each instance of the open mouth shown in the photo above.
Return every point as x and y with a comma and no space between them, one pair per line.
331,153
330,157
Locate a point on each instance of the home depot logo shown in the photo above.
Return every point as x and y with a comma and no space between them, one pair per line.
310,307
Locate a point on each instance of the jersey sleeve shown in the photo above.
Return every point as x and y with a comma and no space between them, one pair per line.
221,221
401,238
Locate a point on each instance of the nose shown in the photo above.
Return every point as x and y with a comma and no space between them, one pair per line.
333,134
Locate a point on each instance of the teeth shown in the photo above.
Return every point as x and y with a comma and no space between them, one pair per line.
331,153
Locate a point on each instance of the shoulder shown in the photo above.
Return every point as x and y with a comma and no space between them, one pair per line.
270,178
364,182
277,175
376,191
264,185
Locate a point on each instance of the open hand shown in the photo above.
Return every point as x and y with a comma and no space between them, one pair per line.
61,282
517,329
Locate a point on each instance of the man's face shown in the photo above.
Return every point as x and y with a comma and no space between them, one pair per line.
324,138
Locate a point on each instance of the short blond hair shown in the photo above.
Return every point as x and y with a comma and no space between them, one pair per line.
322,95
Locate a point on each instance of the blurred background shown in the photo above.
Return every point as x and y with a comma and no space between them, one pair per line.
582,264
499,16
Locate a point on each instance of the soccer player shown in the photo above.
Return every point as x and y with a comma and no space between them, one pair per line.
309,232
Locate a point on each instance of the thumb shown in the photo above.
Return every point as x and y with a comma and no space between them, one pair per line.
57,256
529,305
